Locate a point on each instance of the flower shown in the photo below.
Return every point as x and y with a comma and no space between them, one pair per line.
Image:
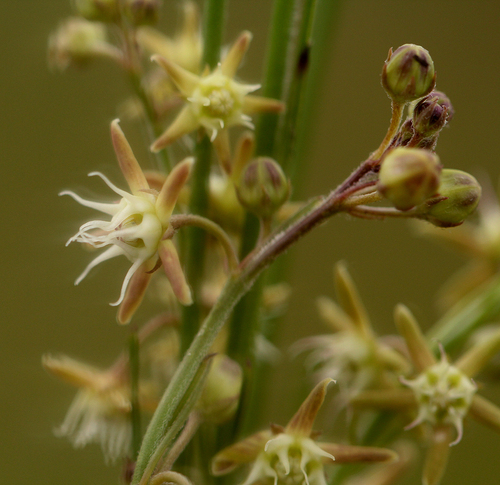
100,412
442,394
354,354
215,100
138,222
290,454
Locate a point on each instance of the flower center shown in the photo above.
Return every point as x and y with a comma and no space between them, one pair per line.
221,103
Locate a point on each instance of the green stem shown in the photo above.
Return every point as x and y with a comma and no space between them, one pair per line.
213,29
135,413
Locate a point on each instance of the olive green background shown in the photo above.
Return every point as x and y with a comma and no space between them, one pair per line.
55,129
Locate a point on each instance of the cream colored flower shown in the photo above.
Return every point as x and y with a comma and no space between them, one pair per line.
138,222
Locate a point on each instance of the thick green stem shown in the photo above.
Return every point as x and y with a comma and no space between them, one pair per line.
135,413
213,29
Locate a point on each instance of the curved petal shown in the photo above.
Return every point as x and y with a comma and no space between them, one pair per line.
173,270
232,61
134,294
126,281
186,81
185,122
128,163
112,252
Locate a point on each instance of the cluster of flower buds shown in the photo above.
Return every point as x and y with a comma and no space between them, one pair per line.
411,176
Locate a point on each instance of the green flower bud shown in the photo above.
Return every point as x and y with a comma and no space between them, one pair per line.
263,187
221,392
408,73
458,196
142,12
101,10
431,113
409,176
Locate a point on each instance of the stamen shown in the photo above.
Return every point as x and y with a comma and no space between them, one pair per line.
128,276
110,209
112,252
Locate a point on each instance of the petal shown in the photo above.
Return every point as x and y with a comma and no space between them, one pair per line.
221,146
184,123
134,294
111,252
350,300
110,209
128,163
244,451
333,315
485,412
475,359
420,353
173,270
302,422
437,455
355,454
69,370
135,266
259,104
171,189
231,62
243,154
183,79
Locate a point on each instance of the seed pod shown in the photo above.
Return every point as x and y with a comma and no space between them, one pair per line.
409,176
408,73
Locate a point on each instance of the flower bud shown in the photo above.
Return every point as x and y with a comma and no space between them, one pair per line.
101,10
432,113
409,176
142,12
408,73
263,187
458,196
221,392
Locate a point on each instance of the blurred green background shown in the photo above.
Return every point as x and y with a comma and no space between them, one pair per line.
55,129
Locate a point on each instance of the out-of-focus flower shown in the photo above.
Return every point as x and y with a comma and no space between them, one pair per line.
442,394
138,222
100,412
215,101
77,41
291,454
353,355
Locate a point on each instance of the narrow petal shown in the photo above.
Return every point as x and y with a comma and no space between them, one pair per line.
110,209
173,270
385,399
171,189
184,123
420,353
259,104
244,451
437,456
350,300
243,154
69,370
134,294
333,315
232,61
128,163
355,454
111,252
221,146
186,81
485,412
126,281
302,422
475,359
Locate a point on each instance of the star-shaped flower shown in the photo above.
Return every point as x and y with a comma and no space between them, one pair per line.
442,394
138,223
215,101
291,454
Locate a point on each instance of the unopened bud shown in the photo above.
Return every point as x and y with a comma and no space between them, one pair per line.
101,10
263,187
432,113
408,73
457,197
409,176
221,392
142,12
76,41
